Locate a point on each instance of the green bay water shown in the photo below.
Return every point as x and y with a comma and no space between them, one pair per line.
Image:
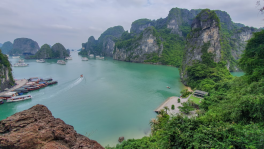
113,99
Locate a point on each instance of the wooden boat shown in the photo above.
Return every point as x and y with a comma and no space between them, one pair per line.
52,82
19,98
1,101
62,62
81,75
15,56
168,87
68,58
40,61
84,59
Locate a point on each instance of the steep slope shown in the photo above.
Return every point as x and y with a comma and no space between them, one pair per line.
24,46
6,77
138,49
37,128
6,47
105,44
47,52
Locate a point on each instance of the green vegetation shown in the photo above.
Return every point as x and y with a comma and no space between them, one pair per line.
185,93
140,22
172,107
6,47
211,16
252,60
4,62
46,52
186,107
179,100
196,100
231,116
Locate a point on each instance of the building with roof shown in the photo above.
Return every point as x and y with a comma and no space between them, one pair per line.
199,93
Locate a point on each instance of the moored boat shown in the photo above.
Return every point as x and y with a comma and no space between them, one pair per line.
84,59
1,101
52,82
91,56
19,98
68,58
15,56
21,61
20,65
40,60
97,57
62,62
101,58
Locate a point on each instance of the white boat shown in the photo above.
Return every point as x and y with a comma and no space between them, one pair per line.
101,58
68,58
19,98
91,56
21,61
15,56
40,60
84,59
97,57
7,55
20,65
62,62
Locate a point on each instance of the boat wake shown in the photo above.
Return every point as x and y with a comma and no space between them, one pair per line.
75,82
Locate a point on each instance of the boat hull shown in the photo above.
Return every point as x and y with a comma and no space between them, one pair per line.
26,98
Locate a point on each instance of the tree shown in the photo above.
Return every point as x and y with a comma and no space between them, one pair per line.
179,100
172,107
186,108
166,108
162,112
252,59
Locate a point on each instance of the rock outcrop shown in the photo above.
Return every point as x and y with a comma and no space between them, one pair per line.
204,38
6,47
47,52
6,77
24,46
104,46
37,128
139,49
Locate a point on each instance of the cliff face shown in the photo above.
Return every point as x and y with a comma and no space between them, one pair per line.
140,49
37,128
204,37
6,77
6,47
47,52
24,45
104,46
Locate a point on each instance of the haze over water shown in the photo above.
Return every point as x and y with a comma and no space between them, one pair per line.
113,99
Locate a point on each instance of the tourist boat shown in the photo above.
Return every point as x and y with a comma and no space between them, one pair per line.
84,59
68,58
40,60
91,56
20,65
47,79
52,82
81,76
21,61
23,90
97,57
15,56
62,62
101,58
19,98
32,88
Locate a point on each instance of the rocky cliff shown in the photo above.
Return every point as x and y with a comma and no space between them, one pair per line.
138,49
37,128
47,52
104,46
6,47
6,77
204,38
24,46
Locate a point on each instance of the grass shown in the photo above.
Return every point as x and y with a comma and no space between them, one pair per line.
195,99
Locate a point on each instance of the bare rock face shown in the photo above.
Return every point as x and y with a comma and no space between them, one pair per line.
205,31
141,49
37,128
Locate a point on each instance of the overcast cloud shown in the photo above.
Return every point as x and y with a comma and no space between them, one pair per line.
71,22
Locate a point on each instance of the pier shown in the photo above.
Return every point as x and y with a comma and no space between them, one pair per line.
19,83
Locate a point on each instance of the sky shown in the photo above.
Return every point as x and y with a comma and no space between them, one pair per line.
72,22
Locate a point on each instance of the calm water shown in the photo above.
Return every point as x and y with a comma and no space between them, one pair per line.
113,99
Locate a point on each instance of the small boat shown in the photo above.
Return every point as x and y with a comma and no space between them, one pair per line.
91,56
52,82
15,56
20,65
1,101
19,98
47,79
21,61
101,58
84,59
81,75
97,57
62,62
168,87
40,60
68,58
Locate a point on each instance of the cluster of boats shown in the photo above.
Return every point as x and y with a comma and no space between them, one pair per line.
33,84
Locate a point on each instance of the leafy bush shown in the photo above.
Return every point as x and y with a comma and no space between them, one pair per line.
185,93
179,100
186,108
172,107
